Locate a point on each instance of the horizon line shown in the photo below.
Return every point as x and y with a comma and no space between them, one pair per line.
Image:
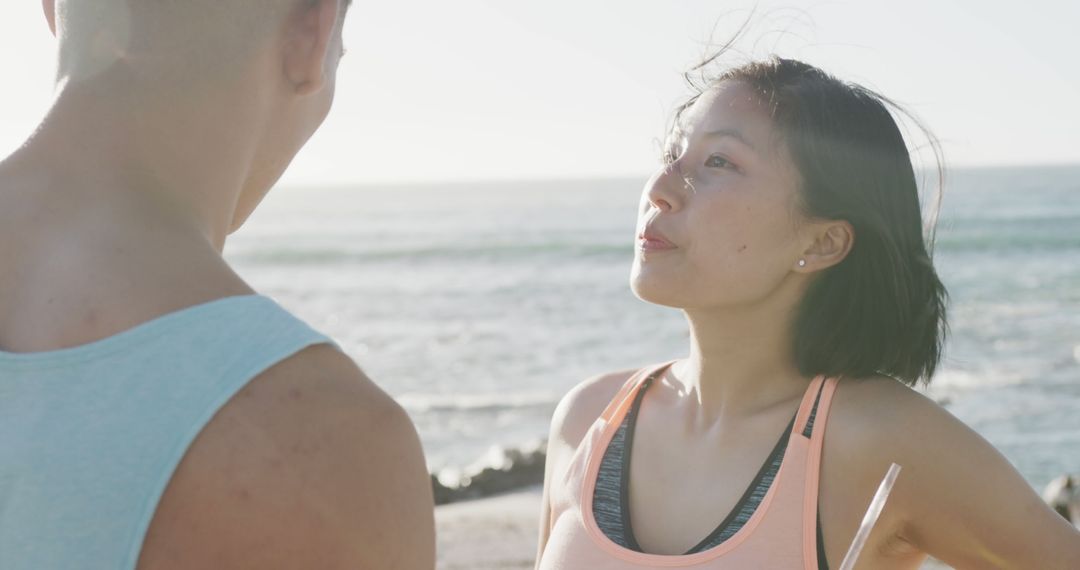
548,179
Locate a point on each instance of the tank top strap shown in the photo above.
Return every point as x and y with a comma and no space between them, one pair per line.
820,407
809,407
625,396
824,392
251,337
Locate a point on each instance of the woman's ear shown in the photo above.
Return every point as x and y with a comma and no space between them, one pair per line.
49,6
832,241
309,34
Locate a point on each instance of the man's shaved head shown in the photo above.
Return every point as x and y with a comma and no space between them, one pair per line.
171,35
233,87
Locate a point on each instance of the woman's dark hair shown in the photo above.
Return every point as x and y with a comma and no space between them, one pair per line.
882,309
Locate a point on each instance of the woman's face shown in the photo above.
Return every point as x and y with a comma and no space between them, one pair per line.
717,226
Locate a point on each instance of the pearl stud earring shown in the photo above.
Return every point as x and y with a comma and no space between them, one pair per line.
802,263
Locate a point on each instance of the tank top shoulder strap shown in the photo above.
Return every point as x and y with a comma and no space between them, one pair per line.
625,396
811,421
257,333
814,417
815,405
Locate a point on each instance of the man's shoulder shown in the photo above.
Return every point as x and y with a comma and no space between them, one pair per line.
306,382
317,388
304,467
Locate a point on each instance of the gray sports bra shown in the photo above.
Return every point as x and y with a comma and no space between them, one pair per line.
611,507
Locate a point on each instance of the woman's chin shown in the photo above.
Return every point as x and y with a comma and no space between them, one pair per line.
650,289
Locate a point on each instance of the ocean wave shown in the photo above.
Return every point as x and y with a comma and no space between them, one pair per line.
949,381
487,252
490,403
1008,242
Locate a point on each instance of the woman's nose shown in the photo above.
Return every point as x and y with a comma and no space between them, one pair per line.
664,189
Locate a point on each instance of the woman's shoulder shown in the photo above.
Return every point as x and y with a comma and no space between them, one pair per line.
878,409
879,420
583,404
872,423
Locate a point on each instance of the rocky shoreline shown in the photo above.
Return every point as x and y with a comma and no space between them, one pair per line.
501,470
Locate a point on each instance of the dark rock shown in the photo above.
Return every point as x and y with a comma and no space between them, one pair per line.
501,470
443,494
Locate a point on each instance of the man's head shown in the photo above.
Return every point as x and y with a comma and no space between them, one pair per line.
202,35
265,67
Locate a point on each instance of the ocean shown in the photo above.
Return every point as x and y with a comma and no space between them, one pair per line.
479,305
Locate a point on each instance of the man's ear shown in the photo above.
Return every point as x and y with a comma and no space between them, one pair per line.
49,6
832,241
309,34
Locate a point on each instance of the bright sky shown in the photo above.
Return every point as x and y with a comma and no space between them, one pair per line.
493,89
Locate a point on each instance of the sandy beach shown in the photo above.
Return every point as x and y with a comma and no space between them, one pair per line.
493,533
499,533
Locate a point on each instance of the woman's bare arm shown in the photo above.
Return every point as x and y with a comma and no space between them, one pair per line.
572,419
957,499
969,507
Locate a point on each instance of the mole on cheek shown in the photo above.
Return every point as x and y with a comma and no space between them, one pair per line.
742,248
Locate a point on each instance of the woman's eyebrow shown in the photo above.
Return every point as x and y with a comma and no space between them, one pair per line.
731,133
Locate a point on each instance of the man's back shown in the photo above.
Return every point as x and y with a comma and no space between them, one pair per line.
112,221
307,464
108,422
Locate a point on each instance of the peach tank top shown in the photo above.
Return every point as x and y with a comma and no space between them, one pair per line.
780,535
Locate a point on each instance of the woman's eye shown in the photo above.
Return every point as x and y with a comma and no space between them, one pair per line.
716,161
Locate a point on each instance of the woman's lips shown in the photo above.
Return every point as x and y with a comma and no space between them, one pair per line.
653,241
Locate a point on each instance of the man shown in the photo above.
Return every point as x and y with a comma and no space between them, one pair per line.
172,120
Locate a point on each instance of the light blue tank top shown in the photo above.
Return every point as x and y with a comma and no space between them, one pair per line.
90,436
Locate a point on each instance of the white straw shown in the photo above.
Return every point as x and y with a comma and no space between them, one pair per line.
871,517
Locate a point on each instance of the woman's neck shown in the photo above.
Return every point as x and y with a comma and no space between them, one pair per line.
740,361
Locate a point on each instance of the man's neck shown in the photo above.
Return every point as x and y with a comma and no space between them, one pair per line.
183,159
114,212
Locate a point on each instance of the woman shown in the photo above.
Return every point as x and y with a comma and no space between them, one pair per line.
785,224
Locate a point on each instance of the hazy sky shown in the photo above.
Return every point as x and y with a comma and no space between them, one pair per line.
483,89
